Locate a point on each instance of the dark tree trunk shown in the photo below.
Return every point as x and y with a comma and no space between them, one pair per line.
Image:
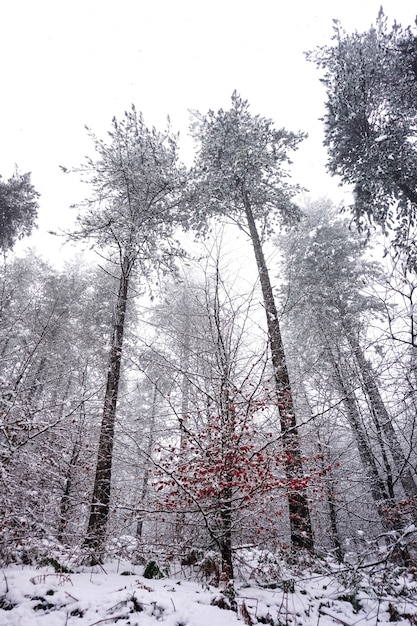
301,530
99,511
227,438
226,537
225,497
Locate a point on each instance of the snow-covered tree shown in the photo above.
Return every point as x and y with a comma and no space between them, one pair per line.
240,173
370,123
18,209
331,299
130,216
52,325
223,472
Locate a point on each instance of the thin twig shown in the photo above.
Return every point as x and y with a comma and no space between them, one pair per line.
113,617
325,611
72,597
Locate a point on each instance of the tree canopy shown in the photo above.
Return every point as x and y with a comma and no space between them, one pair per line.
18,209
135,181
371,123
242,155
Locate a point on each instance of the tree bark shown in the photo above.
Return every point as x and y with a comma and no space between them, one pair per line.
227,436
226,515
99,511
300,522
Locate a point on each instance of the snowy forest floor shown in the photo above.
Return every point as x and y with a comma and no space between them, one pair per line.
117,592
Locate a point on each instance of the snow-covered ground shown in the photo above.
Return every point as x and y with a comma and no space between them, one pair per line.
118,593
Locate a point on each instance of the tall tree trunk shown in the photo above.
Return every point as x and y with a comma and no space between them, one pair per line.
225,496
227,441
100,504
381,415
300,522
226,536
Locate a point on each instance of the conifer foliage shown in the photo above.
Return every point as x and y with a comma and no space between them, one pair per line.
370,123
18,209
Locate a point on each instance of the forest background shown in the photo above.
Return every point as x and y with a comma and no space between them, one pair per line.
148,406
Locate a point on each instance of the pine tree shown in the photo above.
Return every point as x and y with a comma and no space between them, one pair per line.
130,216
370,123
240,173
18,209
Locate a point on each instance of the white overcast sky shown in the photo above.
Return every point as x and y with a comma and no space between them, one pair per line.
67,64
